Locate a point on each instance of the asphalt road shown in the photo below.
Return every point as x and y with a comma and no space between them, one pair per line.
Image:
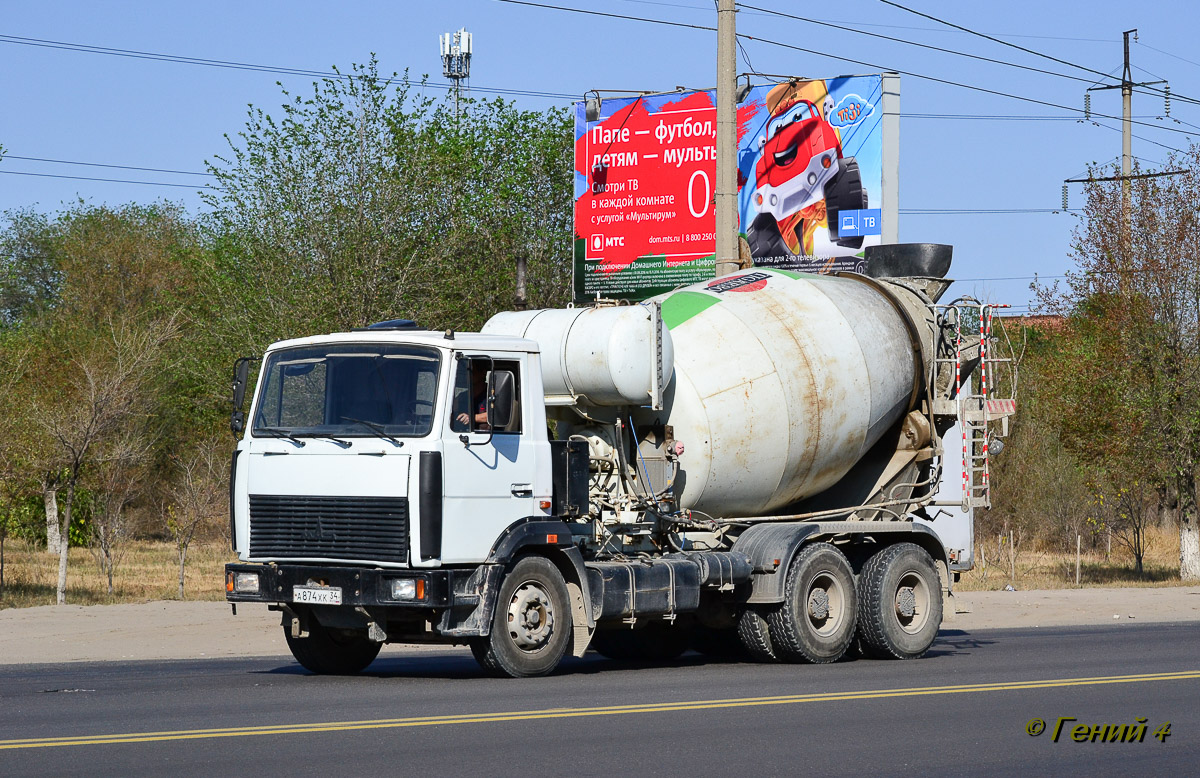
962,709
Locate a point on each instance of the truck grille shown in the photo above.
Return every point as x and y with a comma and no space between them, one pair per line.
286,526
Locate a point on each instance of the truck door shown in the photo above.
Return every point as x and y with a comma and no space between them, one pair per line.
488,479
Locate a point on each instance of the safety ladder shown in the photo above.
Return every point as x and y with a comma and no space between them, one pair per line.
978,411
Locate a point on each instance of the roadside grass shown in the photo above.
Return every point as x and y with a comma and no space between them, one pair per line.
148,571
1040,567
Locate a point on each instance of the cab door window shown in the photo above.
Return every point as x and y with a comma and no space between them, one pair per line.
470,395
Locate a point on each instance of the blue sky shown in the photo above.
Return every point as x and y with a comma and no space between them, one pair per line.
86,107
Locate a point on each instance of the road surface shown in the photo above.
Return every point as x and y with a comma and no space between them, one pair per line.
965,708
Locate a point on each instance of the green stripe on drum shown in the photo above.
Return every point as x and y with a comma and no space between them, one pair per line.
682,306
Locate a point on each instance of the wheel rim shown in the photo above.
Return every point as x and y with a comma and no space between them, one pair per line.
825,604
530,617
912,602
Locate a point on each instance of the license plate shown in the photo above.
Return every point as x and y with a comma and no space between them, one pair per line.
317,595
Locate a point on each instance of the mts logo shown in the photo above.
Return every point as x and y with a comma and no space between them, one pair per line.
601,242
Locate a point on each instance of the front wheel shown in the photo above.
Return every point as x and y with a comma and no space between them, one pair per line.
331,652
531,628
900,602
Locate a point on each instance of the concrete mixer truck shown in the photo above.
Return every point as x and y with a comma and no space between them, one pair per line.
735,465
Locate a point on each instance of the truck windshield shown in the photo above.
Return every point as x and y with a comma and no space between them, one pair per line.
797,113
351,390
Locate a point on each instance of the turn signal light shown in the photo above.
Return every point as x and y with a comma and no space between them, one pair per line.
826,162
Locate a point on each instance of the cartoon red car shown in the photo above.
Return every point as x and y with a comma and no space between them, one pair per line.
800,163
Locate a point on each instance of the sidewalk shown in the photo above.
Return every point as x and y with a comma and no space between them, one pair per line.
198,630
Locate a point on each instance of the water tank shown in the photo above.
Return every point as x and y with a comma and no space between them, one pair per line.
612,356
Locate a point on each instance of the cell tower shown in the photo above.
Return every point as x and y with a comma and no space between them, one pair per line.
456,60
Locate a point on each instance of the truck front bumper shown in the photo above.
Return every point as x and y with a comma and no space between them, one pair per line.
274,583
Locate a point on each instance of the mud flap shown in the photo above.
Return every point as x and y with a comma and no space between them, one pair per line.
471,613
583,622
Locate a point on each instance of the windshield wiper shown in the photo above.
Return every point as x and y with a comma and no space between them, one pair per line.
338,441
376,428
275,432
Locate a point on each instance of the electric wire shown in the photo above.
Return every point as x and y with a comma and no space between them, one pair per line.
814,52
1169,54
913,43
196,187
249,66
1026,50
106,165
945,81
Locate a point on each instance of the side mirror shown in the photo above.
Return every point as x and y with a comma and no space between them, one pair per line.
500,398
241,373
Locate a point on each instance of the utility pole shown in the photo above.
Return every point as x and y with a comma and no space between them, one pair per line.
1126,86
726,184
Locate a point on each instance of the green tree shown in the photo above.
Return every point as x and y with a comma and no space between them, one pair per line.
365,201
98,370
1127,375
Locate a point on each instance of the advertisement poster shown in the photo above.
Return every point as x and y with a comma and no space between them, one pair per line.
811,194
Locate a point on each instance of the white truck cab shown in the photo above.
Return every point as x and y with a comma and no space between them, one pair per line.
342,424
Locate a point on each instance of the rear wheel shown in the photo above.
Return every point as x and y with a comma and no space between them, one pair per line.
900,602
816,621
756,636
331,652
531,628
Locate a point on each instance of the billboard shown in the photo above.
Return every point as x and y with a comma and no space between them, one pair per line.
816,177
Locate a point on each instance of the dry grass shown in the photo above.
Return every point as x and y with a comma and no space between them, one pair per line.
1038,567
148,571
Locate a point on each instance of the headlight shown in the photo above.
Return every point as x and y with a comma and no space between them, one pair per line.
408,589
812,178
246,583
404,589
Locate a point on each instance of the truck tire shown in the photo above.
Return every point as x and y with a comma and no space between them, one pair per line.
329,652
844,192
531,628
656,641
816,621
900,602
764,239
756,636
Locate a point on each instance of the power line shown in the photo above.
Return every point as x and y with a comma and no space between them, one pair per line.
610,15
234,65
888,26
948,82
1022,48
101,164
194,187
1169,54
921,211
837,57
915,43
